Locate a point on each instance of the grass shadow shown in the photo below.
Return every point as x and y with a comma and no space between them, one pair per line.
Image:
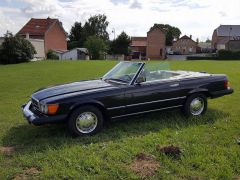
28,138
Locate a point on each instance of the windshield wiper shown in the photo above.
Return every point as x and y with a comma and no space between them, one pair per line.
115,79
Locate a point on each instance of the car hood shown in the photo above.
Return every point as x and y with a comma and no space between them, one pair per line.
81,86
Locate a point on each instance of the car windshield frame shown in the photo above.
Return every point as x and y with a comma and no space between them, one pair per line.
109,76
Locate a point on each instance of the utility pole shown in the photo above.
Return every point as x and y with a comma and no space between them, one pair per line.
113,31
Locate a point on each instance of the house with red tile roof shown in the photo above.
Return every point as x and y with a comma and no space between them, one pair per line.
185,45
49,31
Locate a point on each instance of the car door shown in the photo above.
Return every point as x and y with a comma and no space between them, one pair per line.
151,96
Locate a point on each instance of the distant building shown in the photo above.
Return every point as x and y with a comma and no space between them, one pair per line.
151,47
205,47
139,47
73,54
48,33
223,34
233,45
185,45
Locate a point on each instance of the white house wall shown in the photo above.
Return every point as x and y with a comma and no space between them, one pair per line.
221,46
72,55
39,47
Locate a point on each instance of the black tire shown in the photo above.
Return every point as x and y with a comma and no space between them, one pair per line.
188,111
84,113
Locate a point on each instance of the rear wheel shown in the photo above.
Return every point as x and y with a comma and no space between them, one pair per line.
195,105
86,120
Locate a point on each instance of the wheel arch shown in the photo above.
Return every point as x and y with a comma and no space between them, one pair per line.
95,104
200,91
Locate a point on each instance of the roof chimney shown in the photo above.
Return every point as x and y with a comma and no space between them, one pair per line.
48,20
190,36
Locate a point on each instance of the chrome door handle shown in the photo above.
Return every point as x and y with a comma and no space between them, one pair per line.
174,85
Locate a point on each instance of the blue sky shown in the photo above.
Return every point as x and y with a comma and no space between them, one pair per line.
196,17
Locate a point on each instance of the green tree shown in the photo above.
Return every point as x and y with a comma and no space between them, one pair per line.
76,36
208,40
121,44
197,40
15,50
171,32
95,26
76,32
96,47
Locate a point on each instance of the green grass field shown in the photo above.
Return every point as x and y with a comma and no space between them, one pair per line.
209,144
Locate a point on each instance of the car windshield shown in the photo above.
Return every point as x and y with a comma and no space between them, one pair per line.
123,72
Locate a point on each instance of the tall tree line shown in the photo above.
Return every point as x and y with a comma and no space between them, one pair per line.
94,36
94,26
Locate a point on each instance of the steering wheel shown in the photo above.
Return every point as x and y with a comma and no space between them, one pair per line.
127,77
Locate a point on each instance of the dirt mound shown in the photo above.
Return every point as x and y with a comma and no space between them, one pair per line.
144,165
173,151
7,150
27,173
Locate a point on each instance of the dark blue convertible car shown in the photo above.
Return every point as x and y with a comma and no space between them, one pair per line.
130,88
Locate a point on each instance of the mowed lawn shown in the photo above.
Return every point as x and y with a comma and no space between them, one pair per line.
210,144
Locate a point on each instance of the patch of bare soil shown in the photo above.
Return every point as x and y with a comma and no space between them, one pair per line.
27,174
173,151
7,150
144,165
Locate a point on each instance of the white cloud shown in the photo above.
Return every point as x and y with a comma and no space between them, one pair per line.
198,18
136,5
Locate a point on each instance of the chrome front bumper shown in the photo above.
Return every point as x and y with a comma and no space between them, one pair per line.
40,120
27,113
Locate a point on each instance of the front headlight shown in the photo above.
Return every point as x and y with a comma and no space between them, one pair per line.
43,108
48,108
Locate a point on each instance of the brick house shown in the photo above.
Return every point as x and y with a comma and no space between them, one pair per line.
150,47
233,45
50,31
223,34
185,45
139,47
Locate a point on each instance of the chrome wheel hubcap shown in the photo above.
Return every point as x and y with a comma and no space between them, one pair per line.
197,106
86,122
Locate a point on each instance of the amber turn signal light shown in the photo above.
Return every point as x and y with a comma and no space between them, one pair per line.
52,108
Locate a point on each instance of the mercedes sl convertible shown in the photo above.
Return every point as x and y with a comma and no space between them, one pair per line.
130,88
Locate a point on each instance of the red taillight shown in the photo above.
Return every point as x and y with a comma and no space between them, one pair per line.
226,84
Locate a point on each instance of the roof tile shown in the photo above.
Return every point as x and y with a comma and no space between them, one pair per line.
37,26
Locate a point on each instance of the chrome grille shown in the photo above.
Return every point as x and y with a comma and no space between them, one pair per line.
35,104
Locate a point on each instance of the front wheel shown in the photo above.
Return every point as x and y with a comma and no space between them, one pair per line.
195,105
86,120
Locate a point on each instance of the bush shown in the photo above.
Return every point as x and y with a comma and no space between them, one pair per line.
96,47
201,58
229,55
15,50
221,55
52,55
